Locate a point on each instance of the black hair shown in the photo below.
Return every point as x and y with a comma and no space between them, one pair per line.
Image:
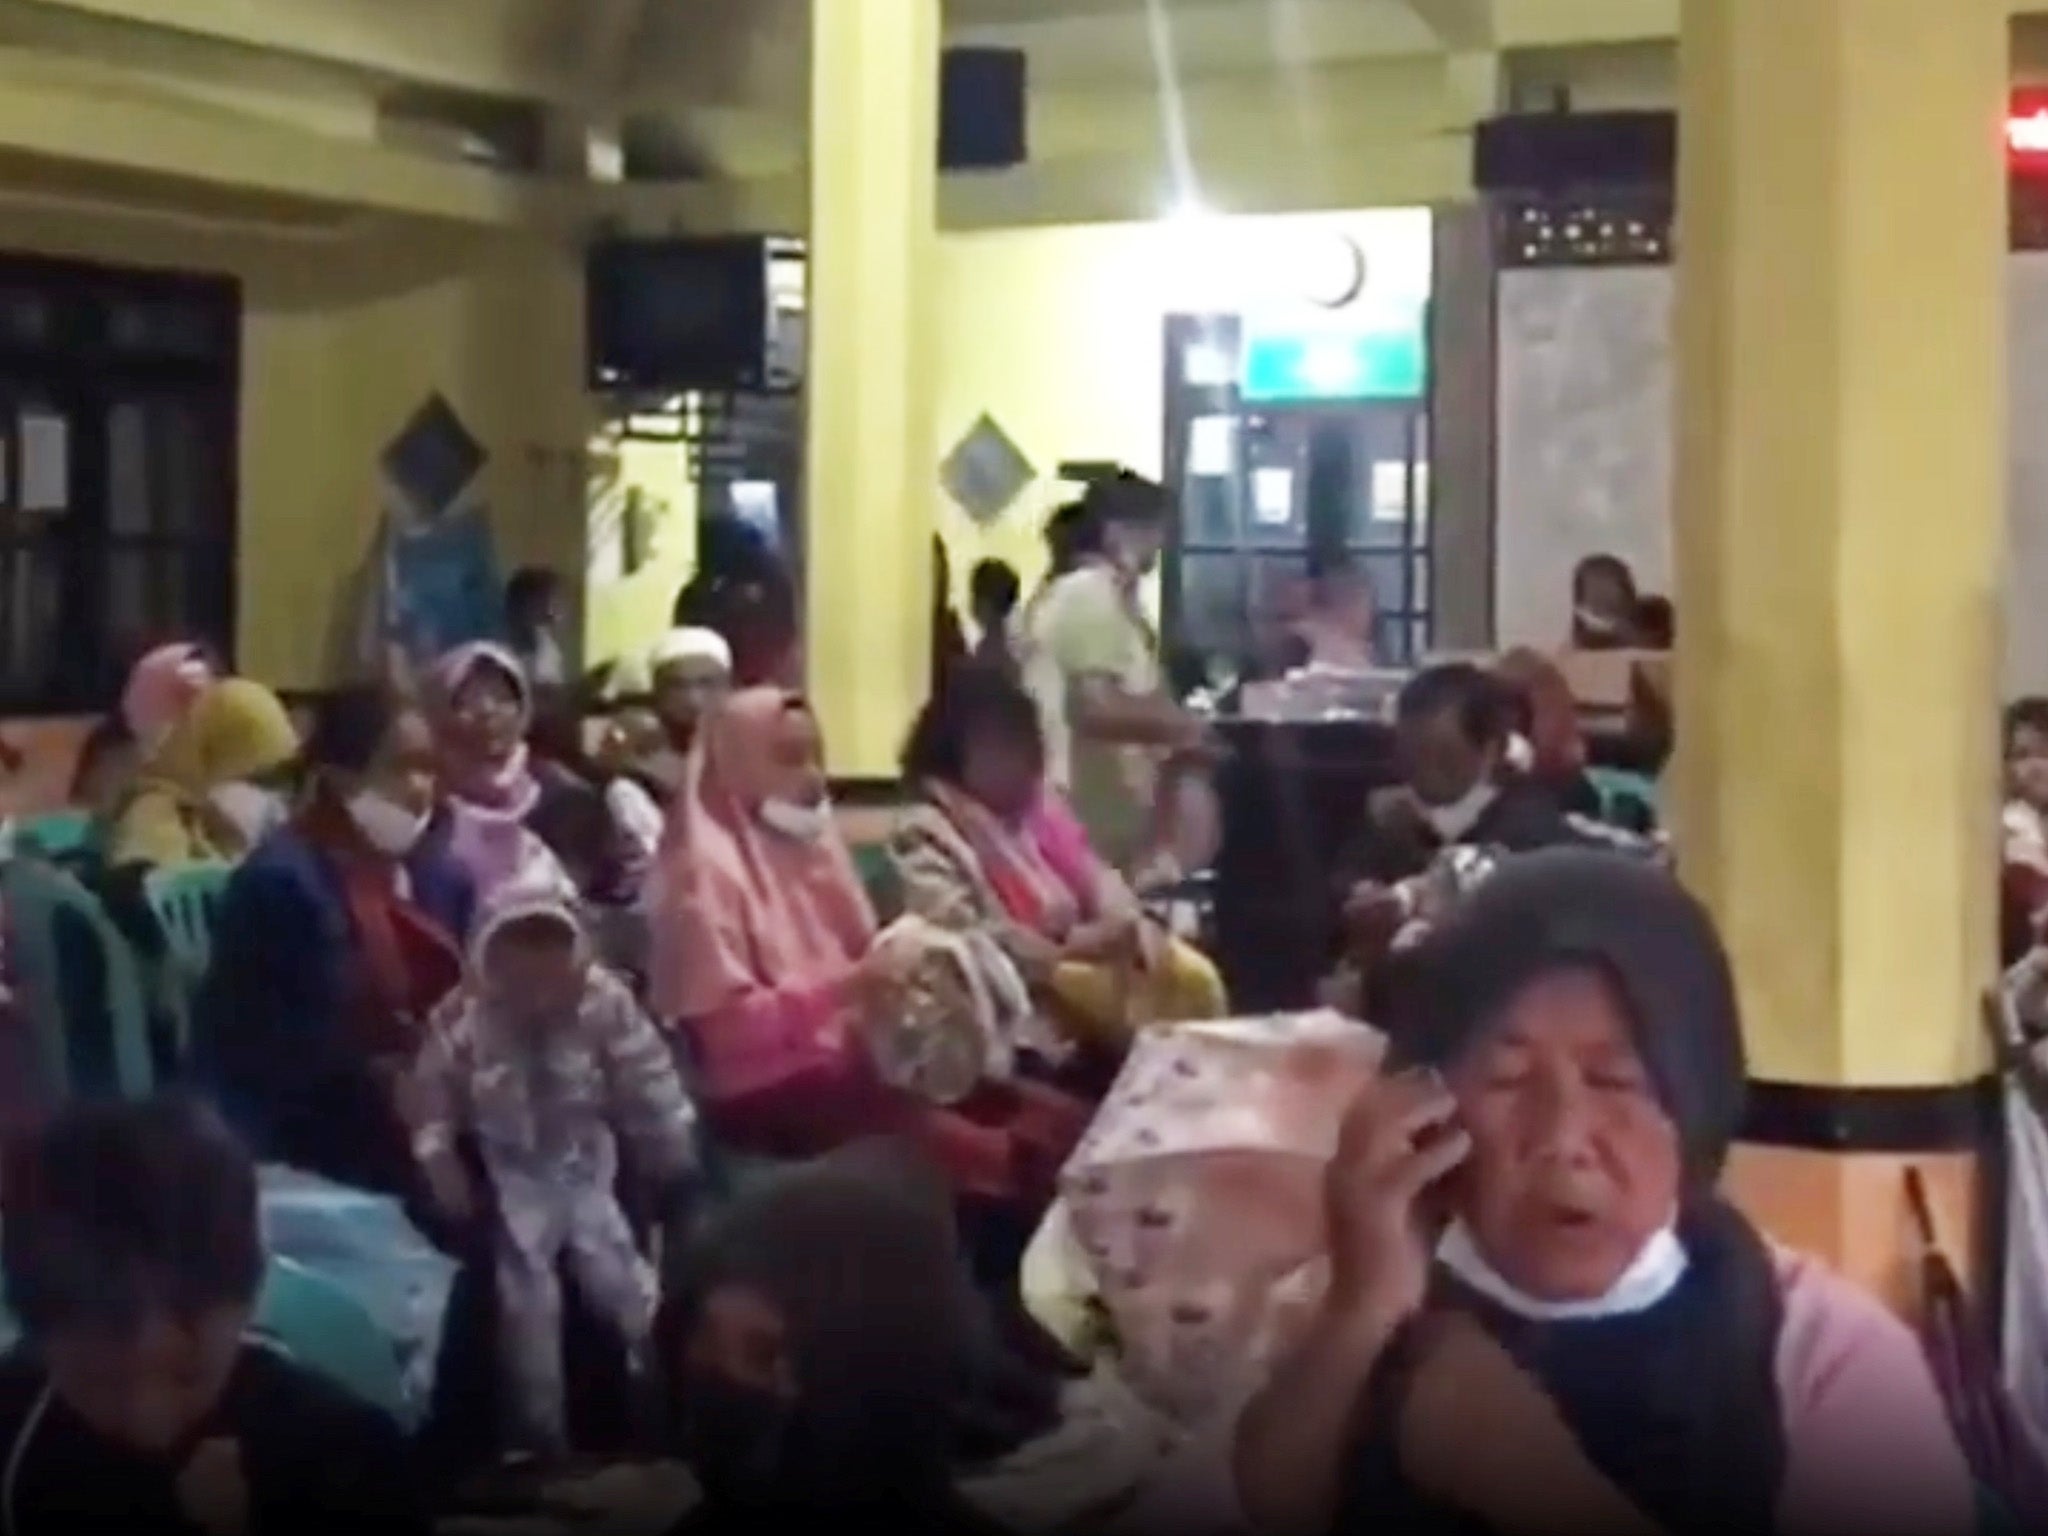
1128,497
1657,623
1611,566
350,725
2027,714
993,588
1481,702
118,1212
1071,535
972,701
529,587
109,735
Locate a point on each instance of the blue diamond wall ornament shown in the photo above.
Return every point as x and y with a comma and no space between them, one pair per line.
986,472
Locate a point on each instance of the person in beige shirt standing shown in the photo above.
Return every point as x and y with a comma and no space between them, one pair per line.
1093,665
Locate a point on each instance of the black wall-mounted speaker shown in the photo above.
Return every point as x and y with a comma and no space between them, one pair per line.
981,109
1562,152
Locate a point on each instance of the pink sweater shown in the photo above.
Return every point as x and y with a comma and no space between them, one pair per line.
1869,1445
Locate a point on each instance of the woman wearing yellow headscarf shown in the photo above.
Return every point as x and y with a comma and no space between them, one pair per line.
209,792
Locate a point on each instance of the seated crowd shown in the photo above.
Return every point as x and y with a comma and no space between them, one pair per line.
713,1131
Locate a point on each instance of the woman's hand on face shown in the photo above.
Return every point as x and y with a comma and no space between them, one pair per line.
1398,1139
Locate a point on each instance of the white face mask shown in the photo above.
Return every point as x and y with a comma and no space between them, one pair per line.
1453,821
1596,623
1653,1275
250,809
805,823
394,830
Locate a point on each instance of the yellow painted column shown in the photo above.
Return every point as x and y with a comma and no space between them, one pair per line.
1840,514
870,458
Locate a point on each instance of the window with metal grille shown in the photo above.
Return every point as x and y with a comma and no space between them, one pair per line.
117,474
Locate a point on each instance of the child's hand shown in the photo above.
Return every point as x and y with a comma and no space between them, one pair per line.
213,1493
453,1193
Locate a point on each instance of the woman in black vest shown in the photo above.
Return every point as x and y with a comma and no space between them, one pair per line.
1542,1315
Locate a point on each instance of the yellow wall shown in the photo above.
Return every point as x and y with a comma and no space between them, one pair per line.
497,333
1057,333
346,331
628,612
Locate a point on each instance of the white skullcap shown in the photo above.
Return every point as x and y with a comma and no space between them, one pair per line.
690,643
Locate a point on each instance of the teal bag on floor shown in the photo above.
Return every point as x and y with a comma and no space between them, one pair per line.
364,1247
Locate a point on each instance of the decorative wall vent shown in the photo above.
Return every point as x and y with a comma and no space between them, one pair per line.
986,472
432,460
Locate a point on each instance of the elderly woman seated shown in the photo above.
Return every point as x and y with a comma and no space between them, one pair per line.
1541,1314
986,846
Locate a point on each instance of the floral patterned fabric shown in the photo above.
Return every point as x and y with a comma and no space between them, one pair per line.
1195,1200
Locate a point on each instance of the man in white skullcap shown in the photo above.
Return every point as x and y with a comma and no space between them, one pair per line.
689,673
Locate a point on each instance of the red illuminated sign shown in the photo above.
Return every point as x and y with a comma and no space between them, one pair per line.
2026,132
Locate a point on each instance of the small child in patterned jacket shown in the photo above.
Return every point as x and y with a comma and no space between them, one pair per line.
545,1059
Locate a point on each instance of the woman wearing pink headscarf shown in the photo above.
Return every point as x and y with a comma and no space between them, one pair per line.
764,955
162,687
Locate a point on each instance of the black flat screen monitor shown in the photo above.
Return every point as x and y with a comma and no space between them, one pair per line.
665,316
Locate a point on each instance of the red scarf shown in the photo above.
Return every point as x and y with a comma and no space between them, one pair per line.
409,962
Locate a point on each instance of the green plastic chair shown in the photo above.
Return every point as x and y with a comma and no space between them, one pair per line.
185,903
59,836
43,903
877,871
322,1327
1614,785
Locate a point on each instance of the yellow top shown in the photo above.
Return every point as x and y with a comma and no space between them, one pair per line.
236,731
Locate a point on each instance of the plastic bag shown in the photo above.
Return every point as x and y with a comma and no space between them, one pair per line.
1196,1198
363,1244
957,1022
